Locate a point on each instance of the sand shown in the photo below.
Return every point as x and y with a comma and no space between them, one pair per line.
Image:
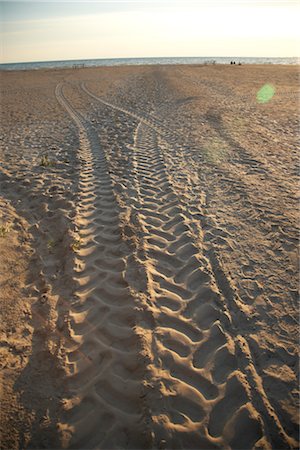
149,258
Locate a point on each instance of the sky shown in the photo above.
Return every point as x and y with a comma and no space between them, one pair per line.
48,30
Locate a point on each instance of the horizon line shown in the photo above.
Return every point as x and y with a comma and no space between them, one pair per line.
144,57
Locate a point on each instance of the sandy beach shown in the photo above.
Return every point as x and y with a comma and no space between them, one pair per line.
149,223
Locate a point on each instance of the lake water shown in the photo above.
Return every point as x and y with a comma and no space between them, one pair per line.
143,61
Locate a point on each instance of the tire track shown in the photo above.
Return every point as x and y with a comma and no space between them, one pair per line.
105,408
222,357
179,279
147,119
209,385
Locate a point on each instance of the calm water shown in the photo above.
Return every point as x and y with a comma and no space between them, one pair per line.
142,61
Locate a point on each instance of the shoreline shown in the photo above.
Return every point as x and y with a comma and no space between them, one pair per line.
248,61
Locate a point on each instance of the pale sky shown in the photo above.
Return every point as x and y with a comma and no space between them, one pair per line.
57,30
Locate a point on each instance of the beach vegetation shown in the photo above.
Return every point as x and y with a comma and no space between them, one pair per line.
50,244
46,162
5,229
215,151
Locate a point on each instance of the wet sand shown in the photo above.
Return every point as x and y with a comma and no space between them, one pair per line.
149,252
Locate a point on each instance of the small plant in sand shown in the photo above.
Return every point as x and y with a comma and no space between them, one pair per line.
5,229
46,162
50,244
216,151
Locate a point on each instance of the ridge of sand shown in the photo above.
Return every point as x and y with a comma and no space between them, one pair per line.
146,332
178,277
103,354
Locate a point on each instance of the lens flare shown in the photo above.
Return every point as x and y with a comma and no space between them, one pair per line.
265,93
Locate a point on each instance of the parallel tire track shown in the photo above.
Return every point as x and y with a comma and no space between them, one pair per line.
105,408
208,382
147,119
190,332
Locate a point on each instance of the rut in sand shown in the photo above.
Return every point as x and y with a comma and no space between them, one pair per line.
105,406
148,232
198,386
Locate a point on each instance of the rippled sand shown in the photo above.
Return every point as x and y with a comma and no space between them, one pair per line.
148,232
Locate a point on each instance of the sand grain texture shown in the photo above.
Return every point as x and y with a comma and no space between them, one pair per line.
149,224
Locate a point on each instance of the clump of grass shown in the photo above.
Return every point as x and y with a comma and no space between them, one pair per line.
46,162
51,244
5,229
215,151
